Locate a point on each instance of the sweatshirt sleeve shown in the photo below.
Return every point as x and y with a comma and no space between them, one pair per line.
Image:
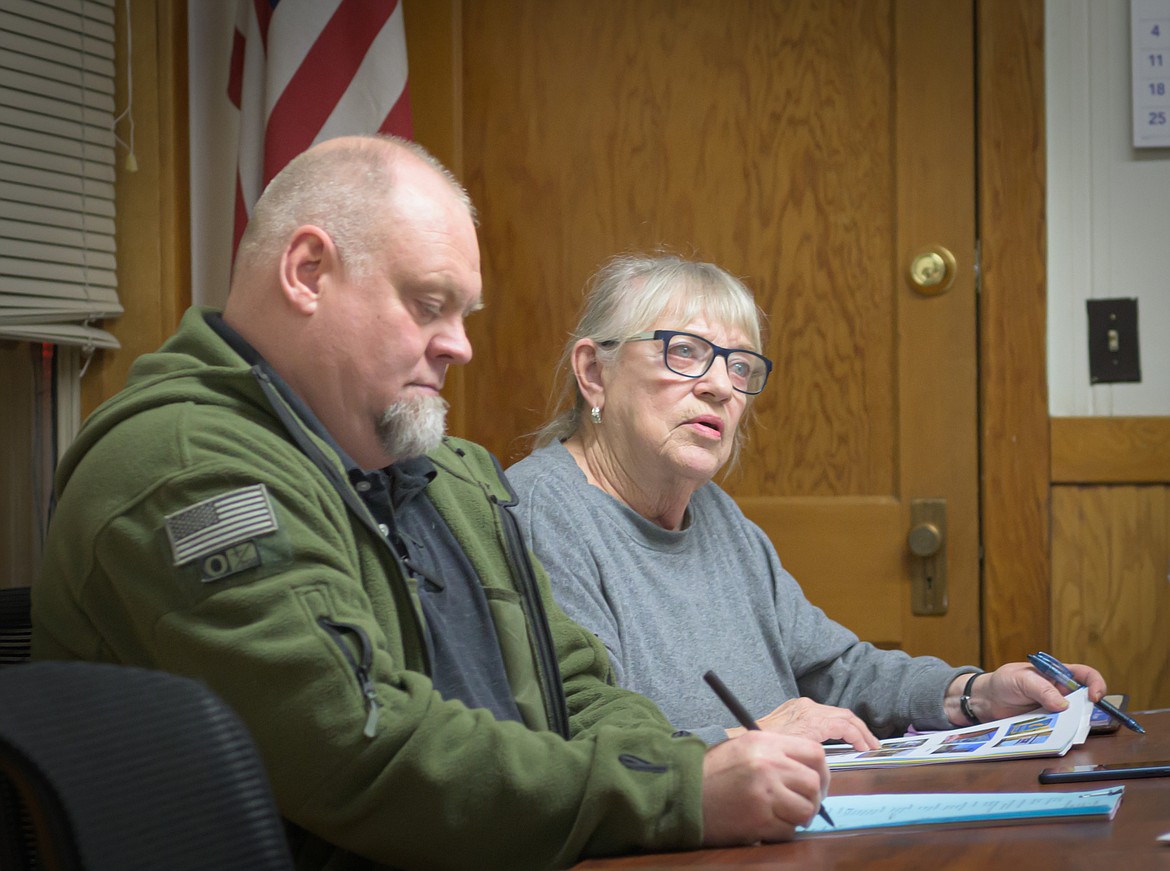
889,689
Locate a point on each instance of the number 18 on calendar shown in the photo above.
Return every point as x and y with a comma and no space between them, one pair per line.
1150,52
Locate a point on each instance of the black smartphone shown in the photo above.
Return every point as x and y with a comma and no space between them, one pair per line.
1115,771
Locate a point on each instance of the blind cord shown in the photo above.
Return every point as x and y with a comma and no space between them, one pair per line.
128,112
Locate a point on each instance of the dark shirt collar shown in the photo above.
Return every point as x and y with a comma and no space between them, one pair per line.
407,477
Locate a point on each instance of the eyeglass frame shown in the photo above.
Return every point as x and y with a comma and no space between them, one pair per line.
718,351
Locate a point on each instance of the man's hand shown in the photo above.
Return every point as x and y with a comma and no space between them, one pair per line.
808,719
1017,688
760,787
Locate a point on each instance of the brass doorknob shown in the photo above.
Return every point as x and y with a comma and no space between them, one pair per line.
933,271
925,539
928,542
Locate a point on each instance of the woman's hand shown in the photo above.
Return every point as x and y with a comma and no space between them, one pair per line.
808,719
1016,688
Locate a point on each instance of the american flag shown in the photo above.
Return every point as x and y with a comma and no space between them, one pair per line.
303,71
218,523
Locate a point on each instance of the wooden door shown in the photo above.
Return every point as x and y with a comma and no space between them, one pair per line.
810,148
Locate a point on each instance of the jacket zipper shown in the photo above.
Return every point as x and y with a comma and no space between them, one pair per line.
550,671
299,434
361,668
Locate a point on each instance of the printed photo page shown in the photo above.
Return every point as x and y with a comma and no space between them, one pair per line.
1040,733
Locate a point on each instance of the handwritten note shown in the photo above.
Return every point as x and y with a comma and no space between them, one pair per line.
964,808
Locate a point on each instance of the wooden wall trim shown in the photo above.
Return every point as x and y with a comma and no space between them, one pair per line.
153,223
1110,549
1111,450
1014,430
174,163
434,44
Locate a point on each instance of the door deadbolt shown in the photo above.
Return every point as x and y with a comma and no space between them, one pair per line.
933,271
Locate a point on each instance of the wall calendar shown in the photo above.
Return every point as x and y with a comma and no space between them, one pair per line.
1150,55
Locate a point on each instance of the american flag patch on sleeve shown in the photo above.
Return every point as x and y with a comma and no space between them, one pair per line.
220,522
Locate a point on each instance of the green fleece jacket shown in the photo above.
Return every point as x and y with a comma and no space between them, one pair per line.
307,625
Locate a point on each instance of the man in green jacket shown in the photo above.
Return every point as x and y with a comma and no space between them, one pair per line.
270,506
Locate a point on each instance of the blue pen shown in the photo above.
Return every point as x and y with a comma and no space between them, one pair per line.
1057,672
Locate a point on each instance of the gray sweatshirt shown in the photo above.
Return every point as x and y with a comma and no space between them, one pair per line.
669,606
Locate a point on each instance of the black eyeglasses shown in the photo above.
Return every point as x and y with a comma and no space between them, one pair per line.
691,356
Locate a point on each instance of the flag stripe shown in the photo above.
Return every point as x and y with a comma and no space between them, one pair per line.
264,10
378,84
236,72
321,81
230,523
303,71
291,35
398,121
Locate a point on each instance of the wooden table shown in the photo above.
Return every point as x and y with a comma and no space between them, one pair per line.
1126,843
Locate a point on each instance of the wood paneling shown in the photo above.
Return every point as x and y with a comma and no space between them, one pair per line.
592,129
434,42
1110,591
1110,450
876,520
1013,368
1111,550
153,219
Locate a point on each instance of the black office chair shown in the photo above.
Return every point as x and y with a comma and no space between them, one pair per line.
17,839
15,625
123,768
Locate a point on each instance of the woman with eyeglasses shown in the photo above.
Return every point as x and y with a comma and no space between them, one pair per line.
645,550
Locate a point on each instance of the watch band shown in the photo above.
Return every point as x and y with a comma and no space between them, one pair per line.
965,700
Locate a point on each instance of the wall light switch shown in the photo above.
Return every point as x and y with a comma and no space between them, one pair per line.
1113,341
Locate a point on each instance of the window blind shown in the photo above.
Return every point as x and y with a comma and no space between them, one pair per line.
57,150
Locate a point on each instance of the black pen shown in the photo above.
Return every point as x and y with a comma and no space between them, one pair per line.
747,721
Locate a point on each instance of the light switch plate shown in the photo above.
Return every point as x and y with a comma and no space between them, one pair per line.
1113,341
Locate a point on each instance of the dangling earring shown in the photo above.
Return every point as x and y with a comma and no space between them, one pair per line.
595,413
